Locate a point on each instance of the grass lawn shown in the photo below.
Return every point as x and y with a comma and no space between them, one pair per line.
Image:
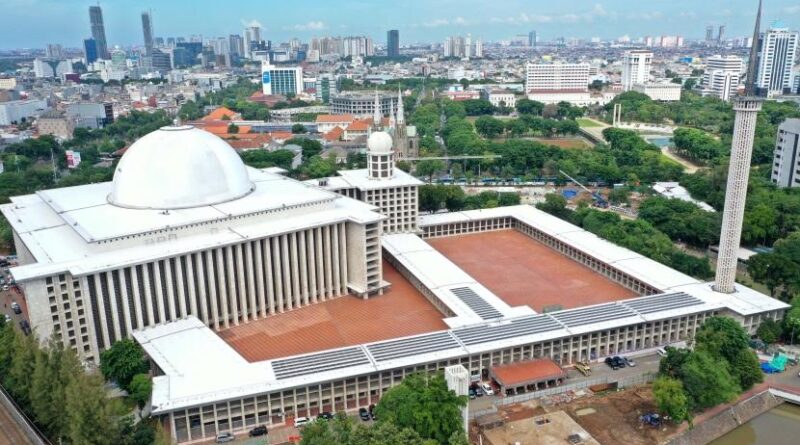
567,143
583,122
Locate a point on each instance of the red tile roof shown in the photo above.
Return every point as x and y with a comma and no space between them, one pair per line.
334,118
527,372
334,135
221,112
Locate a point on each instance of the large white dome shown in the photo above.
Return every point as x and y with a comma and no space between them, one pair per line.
179,167
380,142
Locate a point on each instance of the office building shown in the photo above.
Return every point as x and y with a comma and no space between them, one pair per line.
709,34
281,80
393,43
721,34
722,76
636,68
186,54
532,39
147,31
478,49
90,50
325,87
252,39
51,68
786,162
777,53
99,31
236,44
16,111
557,76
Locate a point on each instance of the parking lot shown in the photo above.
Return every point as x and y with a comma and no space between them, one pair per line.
10,294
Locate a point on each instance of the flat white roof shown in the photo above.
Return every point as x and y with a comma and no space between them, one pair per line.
360,179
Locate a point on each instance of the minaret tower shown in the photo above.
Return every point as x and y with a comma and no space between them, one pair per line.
744,129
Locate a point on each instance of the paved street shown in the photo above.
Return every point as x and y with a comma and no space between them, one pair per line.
10,431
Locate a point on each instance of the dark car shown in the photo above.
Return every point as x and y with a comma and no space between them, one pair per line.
472,394
612,363
16,307
619,361
25,326
258,431
325,415
363,414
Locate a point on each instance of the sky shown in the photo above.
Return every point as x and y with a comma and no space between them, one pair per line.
35,23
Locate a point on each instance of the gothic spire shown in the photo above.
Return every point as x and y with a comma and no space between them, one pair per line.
752,63
401,120
377,115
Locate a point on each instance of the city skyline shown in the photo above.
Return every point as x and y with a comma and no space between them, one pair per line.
34,23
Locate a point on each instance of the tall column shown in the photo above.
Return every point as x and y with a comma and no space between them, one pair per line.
180,278
126,309
262,301
303,266
222,289
170,289
744,130
212,287
137,305
312,264
296,296
252,308
159,292
101,309
148,297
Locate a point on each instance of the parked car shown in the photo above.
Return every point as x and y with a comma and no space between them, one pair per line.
325,415
15,307
225,437
258,431
301,421
363,414
472,394
487,389
25,326
611,363
619,361
629,362
662,352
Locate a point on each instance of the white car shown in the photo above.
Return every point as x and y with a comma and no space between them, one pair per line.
301,421
487,389
662,352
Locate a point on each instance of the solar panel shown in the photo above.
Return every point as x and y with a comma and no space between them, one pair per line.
501,331
589,315
476,303
439,341
662,302
321,362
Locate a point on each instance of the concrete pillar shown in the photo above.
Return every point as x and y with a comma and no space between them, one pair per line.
170,289
159,297
137,305
301,248
250,275
148,297
286,271
180,279
101,309
212,288
126,309
189,277
259,256
278,274
296,297
312,264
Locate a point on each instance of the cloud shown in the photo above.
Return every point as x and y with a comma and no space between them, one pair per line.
251,23
522,19
792,9
309,26
655,15
436,23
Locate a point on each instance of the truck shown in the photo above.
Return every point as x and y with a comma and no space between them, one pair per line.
584,368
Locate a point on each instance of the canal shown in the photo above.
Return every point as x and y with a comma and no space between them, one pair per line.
779,426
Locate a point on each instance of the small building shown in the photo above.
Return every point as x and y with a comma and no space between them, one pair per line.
56,123
785,164
527,376
663,91
500,98
327,122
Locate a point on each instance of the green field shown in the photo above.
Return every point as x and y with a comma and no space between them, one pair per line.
587,123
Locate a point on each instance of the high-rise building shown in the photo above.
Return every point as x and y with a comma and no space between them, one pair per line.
636,68
744,130
393,43
147,30
90,50
532,39
252,38
721,33
722,76
99,31
709,33
777,52
478,52
282,80
188,53
54,51
325,87
236,43
786,162
557,76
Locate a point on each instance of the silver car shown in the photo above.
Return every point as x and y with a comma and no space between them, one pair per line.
225,437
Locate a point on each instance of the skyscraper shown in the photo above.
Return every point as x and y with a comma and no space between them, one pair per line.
90,50
721,33
393,43
744,130
252,39
98,31
709,33
147,30
786,162
636,68
532,39
778,49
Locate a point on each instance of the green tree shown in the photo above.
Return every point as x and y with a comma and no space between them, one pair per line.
776,271
555,205
429,167
233,128
671,364
769,331
140,388
424,404
299,129
90,413
489,127
123,360
431,197
724,338
707,381
527,106
671,398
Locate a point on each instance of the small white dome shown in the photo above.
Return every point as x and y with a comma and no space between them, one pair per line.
179,167
380,142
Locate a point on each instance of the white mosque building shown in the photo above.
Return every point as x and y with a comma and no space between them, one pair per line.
185,228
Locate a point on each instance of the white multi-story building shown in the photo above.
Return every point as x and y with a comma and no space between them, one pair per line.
282,80
778,50
185,229
500,98
636,68
557,76
662,91
722,76
51,67
786,162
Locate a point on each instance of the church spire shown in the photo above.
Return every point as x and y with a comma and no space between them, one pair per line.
752,64
377,115
401,120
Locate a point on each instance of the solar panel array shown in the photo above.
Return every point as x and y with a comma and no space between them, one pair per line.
321,362
406,347
477,304
515,328
663,302
589,315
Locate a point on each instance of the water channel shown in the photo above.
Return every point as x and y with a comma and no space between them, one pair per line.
779,426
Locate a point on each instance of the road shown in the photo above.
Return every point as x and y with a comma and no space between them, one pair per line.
690,168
